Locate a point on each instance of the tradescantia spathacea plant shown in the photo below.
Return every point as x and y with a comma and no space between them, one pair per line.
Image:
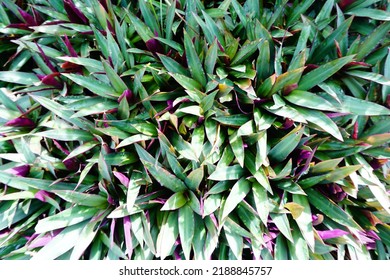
194,129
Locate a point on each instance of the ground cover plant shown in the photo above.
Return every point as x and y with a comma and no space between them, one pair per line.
194,129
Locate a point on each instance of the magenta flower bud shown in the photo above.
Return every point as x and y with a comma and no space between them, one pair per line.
288,123
28,19
21,122
50,80
154,46
304,154
334,233
42,195
377,163
128,94
345,3
74,14
71,164
21,171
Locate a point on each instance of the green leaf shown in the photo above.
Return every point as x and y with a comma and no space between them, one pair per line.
330,209
232,120
337,35
282,223
195,178
62,112
211,58
173,66
101,107
66,218
286,79
148,16
114,78
133,189
81,149
286,145
186,229
211,204
309,100
372,40
61,243
236,195
370,13
291,187
261,201
323,72
235,241
86,236
321,120
134,139
326,165
165,178
92,64
245,52
193,61
304,220
94,85
168,234
176,201
298,248
141,28
223,173
67,134
371,76
92,200
17,77
237,146
362,107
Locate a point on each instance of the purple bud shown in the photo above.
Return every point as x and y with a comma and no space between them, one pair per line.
317,219
74,14
28,19
288,123
377,163
154,46
50,80
71,164
334,233
334,191
21,122
304,154
42,195
21,171
345,3
128,94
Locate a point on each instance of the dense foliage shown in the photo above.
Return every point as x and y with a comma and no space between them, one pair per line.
194,129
